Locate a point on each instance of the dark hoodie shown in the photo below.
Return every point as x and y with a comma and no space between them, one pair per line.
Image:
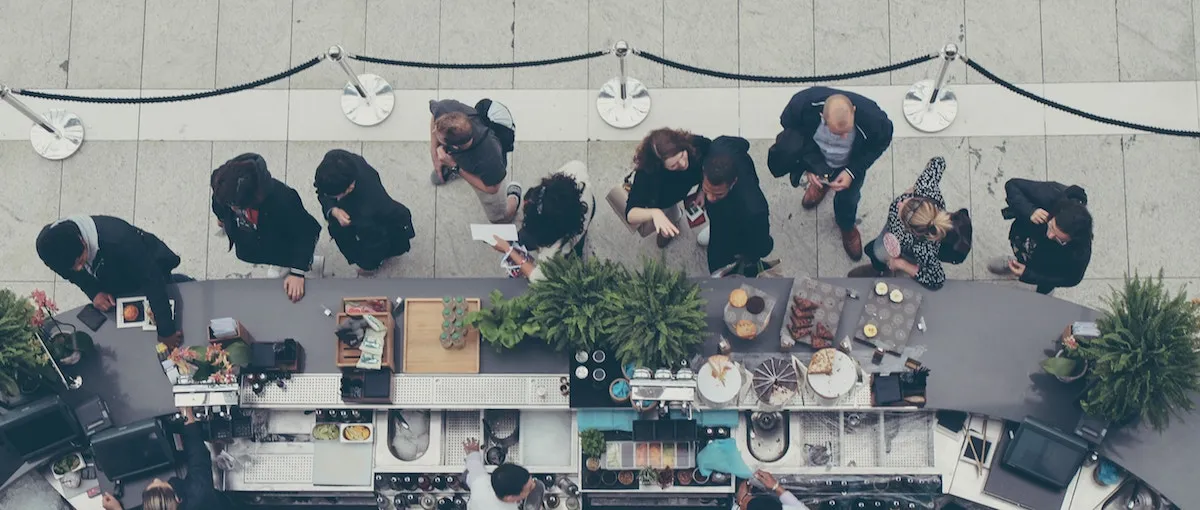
1047,263
195,491
740,223
278,231
379,228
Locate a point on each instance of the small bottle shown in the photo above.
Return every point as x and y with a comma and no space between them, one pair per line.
400,502
458,300
408,482
257,388
412,499
548,479
460,503
394,481
445,503
379,482
381,502
451,482
424,483
439,482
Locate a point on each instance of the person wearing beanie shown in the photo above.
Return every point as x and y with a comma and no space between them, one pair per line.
1051,234
265,221
368,226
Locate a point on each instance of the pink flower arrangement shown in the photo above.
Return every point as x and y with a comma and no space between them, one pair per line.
45,308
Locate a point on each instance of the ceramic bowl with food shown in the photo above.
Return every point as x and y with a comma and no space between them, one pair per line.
68,463
356,432
325,432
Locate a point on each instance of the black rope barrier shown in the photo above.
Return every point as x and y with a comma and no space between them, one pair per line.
784,79
1074,111
172,99
496,65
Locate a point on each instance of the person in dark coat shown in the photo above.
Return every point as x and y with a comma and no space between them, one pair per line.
1051,234
834,136
265,220
666,167
365,222
105,257
740,223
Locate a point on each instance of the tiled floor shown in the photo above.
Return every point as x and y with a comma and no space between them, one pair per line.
1133,60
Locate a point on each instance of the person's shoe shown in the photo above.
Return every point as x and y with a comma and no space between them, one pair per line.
514,190
813,196
864,271
702,237
999,266
796,177
443,175
852,243
663,241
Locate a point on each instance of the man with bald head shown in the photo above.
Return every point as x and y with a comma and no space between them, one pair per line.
834,137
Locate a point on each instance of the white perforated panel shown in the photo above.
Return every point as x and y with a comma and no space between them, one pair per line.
302,389
860,443
428,391
277,468
410,390
908,439
498,391
820,428
458,426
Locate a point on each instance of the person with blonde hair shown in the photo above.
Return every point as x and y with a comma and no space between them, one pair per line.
918,222
666,167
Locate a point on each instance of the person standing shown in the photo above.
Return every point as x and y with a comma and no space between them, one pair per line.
833,137
557,213
463,144
503,489
779,499
666,167
739,217
368,226
1051,234
106,256
265,221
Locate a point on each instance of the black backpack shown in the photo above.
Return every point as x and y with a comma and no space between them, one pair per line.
499,119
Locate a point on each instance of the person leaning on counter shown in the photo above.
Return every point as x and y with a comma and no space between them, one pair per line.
503,489
195,491
782,498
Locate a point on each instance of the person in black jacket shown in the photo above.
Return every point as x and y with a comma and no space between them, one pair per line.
106,256
666,167
739,218
1051,234
834,136
265,220
193,492
367,225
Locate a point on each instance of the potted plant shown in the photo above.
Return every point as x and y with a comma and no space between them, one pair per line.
65,343
1066,365
213,363
1144,363
648,476
591,441
506,323
658,316
22,359
569,304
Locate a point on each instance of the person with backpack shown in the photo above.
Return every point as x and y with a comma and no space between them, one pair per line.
1051,234
473,143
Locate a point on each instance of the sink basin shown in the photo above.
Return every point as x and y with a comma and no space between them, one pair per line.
768,435
408,434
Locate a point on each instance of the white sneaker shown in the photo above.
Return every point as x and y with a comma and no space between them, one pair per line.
702,238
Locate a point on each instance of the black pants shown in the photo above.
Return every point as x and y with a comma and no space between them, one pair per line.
869,251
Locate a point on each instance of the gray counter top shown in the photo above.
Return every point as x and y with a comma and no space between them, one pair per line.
983,344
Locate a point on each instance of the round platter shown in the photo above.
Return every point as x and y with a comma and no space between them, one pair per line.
719,380
776,381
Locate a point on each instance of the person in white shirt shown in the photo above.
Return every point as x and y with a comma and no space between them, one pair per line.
782,500
503,489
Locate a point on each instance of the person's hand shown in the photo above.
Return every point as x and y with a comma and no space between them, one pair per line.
109,502
1039,216
698,200
813,180
663,225
898,264
743,494
173,341
293,286
1017,268
471,445
766,479
103,301
342,217
842,181
501,245
444,158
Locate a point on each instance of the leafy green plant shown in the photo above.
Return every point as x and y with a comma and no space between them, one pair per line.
659,316
1059,366
506,323
1067,364
591,441
569,304
1144,364
20,352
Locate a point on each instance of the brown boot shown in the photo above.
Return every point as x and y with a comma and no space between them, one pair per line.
863,271
663,241
813,196
852,243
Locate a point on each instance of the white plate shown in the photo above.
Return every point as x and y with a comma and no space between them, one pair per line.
713,390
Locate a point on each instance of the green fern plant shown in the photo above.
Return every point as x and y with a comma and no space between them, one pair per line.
506,323
1144,364
20,352
569,304
659,316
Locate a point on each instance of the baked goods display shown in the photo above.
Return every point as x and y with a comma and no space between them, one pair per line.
756,304
890,316
776,381
881,288
870,330
822,362
896,296
738,298
745,329
814,311
748,311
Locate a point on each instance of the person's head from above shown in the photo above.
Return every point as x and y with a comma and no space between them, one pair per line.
512,483
839,115
454,131
764,502
335,175
671,149
240,183
1071,222
720,174
553,210
159,496
926,219
62,247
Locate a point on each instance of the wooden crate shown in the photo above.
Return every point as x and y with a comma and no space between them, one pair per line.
348,358
423,352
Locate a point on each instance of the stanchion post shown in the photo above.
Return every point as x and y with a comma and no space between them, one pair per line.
623,101
930,106
55,135
367,99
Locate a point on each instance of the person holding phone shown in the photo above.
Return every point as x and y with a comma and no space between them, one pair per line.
779,499
666,167
557,214
1051,234
368,226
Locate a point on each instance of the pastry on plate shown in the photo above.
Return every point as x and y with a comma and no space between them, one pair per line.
738,298
822,362
745,329
822,331
896,296
805,304
881,288
756,304
870,330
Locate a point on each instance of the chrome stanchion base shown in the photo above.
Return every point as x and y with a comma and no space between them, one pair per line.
623,114
929,117
370,112
50,146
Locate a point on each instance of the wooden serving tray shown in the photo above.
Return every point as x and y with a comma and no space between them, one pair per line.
348,358
423,352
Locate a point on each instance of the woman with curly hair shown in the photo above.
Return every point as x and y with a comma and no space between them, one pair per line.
666,167
557,213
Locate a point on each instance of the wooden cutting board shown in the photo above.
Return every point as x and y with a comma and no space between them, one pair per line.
423,352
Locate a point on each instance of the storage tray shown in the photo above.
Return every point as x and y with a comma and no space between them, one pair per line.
734,314
894,320
832,300
621,455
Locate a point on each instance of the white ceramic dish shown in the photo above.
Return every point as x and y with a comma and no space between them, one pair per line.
342,432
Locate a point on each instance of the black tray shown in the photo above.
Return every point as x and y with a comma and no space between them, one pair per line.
590,393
